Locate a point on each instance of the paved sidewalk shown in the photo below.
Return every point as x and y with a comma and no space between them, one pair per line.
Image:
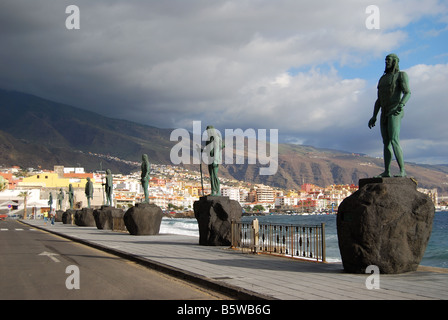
250,276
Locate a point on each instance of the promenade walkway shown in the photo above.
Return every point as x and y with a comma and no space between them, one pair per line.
250,276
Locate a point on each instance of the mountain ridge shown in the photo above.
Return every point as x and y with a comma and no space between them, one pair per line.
36,131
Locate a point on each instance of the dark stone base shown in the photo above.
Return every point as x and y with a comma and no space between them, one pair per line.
386,223
104,217
68,216
214,215
143,219
58,216
84,218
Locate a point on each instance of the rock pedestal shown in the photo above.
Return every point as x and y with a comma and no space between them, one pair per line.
386,223
143,219
84,218
104,217
214,215
68,216
58,216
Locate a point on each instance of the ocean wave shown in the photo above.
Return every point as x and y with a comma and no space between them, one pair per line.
182,226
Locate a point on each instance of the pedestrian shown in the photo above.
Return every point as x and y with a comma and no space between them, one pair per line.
45,217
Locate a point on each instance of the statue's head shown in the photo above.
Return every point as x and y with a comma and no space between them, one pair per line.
145,157
108,171
88,179
392,65
211,131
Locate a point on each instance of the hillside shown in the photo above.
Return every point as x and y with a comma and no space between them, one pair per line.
60,128
38,132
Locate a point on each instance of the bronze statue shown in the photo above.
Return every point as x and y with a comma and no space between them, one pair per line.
60,198
214,146
70,195
89,191
50,202
146,170
393,94
109,187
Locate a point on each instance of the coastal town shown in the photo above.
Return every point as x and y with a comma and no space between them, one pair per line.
173,188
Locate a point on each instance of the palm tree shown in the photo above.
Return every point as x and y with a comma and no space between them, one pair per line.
24,194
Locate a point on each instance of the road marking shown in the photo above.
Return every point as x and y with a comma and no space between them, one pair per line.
51,255
17,229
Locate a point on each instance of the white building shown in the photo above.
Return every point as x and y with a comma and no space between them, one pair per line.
232,193
286,201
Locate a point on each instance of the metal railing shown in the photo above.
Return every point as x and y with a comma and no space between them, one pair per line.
297,241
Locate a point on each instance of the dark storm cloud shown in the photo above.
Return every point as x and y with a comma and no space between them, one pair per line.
168,63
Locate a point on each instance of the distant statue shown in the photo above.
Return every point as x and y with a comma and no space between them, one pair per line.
60,198
146,170
213,147
50,202
70,195
89,191
109,187
393,94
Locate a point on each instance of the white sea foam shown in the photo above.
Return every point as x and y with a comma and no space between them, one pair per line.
183,226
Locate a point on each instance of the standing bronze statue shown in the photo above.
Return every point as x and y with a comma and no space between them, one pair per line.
146,170
109,187
393,94
50,202
70,195
60,198
89,191
213,147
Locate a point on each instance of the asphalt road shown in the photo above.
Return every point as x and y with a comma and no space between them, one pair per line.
35,264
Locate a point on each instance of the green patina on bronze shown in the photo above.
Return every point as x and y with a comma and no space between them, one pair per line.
393,94
109,187
145,176
88,190
213,147
70,195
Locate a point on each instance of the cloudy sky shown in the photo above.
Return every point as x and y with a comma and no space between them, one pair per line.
306,68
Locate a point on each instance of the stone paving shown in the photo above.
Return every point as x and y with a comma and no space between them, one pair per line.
255,276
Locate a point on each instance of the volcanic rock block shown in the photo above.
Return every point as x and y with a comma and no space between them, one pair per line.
214,215
143,219
68,216
104,217
84,218
386,223
58,216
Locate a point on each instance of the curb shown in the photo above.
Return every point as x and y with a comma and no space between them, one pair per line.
205,282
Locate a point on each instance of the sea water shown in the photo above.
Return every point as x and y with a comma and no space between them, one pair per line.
436,254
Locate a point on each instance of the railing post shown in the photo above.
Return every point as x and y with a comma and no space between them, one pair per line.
323,242
234,243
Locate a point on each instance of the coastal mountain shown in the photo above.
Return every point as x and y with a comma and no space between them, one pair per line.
36,132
